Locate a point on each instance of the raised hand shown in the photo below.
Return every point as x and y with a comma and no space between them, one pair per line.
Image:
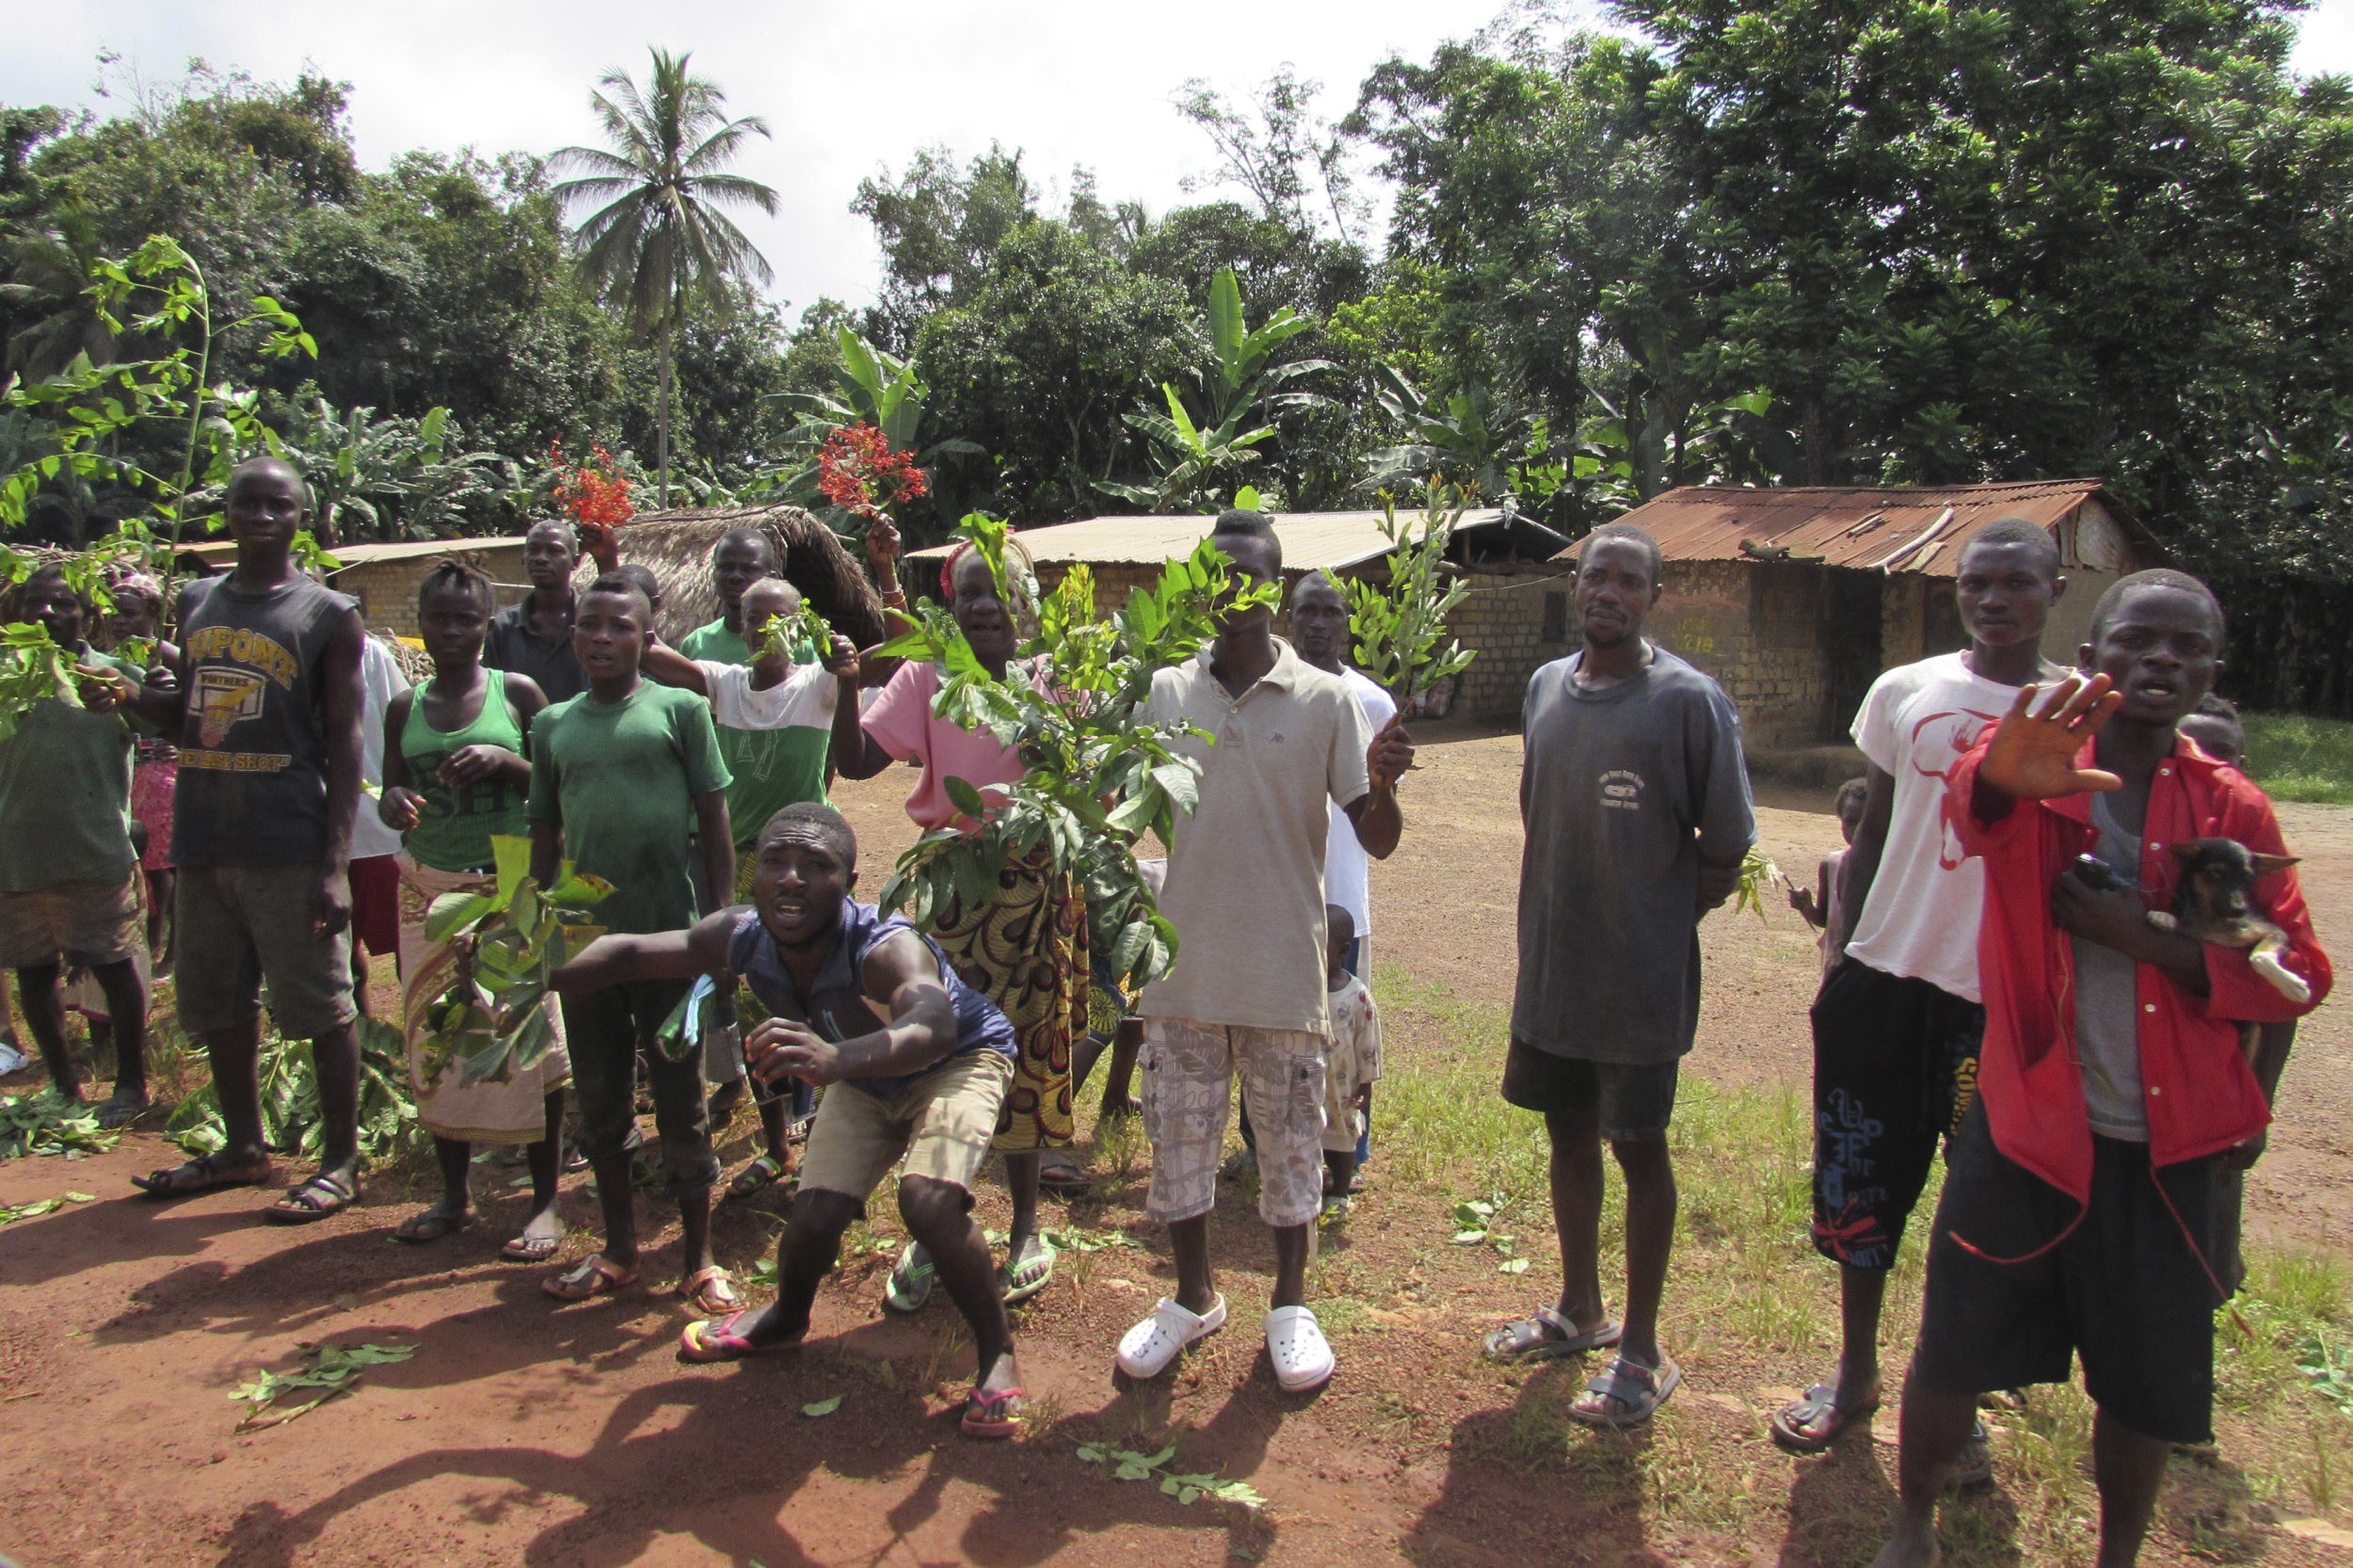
399,808
2034,749
882,550
1390,754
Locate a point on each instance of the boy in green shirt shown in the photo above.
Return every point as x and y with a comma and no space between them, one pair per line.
616,773
68,874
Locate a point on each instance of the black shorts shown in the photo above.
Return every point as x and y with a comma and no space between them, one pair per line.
1633,1102
2123,1289
1894,1068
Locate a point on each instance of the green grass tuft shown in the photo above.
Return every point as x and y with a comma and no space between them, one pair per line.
2296,757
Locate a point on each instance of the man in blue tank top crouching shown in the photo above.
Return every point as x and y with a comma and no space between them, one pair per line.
913,1063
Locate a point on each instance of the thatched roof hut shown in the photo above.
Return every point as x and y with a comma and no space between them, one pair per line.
677,545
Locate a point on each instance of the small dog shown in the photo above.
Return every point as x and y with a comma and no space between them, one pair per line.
2213,904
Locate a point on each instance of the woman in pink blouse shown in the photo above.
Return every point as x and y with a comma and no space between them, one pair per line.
1026,948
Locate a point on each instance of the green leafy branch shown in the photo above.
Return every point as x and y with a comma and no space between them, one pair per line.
1186,1487
327,1367
11,1213
43,1124
2330,1369
1399,626
291,1113
1757,874
1476,1224
1095,774
511,939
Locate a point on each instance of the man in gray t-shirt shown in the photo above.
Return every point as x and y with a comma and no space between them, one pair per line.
1635,802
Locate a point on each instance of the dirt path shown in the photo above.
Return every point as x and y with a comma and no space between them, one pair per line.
568,1438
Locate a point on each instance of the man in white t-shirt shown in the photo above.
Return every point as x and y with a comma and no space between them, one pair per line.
1897,1024
374,848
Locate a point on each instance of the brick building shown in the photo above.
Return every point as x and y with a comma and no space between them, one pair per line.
1795,599
1515,617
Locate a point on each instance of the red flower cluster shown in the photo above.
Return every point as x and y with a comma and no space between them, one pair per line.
859,471
595,492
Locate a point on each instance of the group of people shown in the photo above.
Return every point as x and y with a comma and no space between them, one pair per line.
2077,1065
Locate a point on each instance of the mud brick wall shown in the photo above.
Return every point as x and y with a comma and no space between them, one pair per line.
1514,619
1757,626
387,590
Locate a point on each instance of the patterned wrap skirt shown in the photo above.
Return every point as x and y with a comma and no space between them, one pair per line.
486,1112
1027,951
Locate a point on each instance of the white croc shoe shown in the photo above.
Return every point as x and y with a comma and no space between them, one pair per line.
1146,1349
1295,1343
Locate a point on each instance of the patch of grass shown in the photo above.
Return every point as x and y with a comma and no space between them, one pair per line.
1750,1302
2298,757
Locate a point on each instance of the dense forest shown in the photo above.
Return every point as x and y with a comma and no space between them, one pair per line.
1771,241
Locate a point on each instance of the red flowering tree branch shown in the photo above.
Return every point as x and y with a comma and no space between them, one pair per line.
859,471
594,493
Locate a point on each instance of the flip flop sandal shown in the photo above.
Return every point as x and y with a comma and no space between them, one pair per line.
711,1289
1146,1349
715,1339
594,1276
995,1414
301,1205
764,1172
1546,1336
1295,1343
910,1283
209,1168
1793,1424
1066,1179
1018,1280
531,1249
429,1224
1636,1389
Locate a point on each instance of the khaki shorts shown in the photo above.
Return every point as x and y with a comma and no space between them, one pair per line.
78,923
1189,1071
240,926
940,1125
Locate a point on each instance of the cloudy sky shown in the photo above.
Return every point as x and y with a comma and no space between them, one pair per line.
847,89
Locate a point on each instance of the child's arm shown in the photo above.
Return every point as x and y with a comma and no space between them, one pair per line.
397,805
673,668
921,1030
1812,904
661,956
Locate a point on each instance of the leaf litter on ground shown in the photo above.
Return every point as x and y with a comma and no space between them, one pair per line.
34,1210
44,1124
1186,1487
325,1365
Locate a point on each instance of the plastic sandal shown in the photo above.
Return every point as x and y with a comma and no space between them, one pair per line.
1795,1425
1295,1343
764,1172
1546,1335
594,1276
297,1207
1020,1279
1637,1390
1146,1349
714,1339
992,1415
910,1283
711,1289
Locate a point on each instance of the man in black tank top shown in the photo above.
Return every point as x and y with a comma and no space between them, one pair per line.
264,702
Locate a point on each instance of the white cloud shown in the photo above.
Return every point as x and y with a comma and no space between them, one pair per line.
846,89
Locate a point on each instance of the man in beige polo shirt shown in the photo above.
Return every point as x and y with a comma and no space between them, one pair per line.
1245,892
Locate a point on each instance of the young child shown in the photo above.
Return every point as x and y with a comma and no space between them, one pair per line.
1351,1067
2215,728
915,1062
618,776
787,709
1821,906
2074,1221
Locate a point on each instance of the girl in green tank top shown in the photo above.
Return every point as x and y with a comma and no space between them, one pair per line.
454,776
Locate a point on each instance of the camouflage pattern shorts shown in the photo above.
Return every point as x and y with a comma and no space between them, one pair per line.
1189,1070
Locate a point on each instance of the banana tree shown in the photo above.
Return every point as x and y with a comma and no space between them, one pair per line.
1194,461
871,386
1466,438
387,478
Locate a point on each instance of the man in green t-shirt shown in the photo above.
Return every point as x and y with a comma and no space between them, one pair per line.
616,774
69,877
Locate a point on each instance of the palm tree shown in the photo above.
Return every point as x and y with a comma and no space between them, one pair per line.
656,237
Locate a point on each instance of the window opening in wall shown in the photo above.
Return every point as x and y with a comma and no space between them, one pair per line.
1556,618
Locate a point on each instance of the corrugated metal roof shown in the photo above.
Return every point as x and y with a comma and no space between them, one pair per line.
1311,540
219,552
1895,529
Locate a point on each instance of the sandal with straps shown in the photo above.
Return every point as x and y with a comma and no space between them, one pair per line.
1635,1389
323,1195
1546,1335
593,1275
711,1289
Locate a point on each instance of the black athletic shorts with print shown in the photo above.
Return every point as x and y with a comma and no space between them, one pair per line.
2123,1289
1894,1068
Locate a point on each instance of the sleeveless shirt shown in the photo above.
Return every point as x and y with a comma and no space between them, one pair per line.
837,1008
457,821
252,785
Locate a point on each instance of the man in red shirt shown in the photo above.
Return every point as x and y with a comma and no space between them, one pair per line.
2075,1210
